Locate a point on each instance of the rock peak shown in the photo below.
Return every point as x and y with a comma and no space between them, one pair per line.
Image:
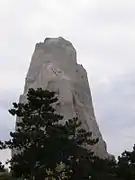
60,48
59,42
54,67
56,39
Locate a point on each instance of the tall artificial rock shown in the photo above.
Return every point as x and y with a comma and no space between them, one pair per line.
54,67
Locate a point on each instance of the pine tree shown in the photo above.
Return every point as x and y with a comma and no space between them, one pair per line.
2,167
4,174
126,165
41,141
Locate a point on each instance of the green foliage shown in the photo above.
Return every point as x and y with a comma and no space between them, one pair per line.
2,167
44,147
5,176
41,141
126,165
61,172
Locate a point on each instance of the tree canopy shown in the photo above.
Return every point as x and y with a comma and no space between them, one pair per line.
44,146
42,141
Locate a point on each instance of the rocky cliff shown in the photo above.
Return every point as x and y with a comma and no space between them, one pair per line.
54,67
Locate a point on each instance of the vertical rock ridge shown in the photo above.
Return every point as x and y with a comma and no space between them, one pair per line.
54,67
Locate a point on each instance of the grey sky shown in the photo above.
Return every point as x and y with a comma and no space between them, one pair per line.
103,33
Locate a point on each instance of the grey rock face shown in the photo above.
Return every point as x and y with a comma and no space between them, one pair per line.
54,67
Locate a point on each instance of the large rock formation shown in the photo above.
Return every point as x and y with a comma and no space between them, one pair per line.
54,67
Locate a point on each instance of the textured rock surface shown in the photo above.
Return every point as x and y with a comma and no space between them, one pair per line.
54,67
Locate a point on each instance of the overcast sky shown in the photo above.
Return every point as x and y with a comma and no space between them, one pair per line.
103,33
